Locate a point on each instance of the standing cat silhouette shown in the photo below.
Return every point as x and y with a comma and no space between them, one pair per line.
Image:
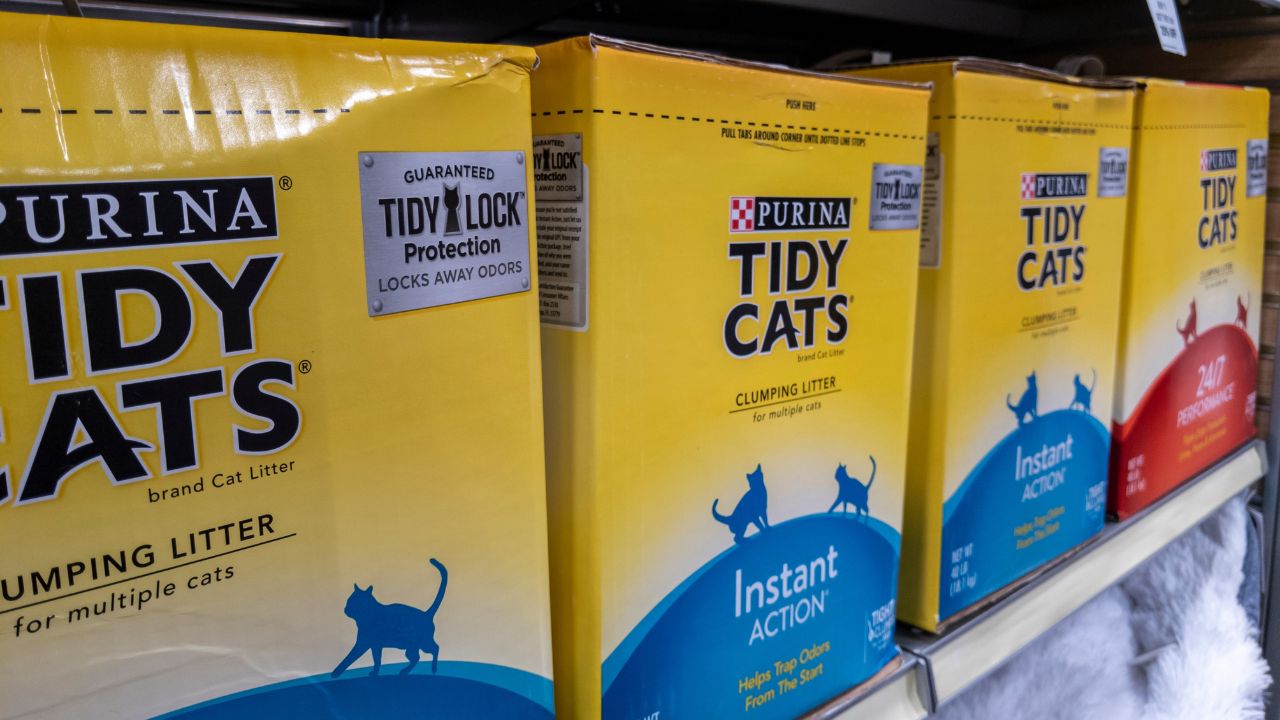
1242,311
1026,407
1084,393
399,626
1188,331
752,509
852,492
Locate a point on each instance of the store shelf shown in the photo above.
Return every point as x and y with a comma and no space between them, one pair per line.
964,654
898,694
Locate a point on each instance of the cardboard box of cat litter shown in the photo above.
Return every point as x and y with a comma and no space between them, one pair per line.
271,405
1020,268
727,267
1186,390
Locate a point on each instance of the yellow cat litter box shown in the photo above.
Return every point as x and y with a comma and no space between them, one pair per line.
727,260
271,406
1020,268
1187,385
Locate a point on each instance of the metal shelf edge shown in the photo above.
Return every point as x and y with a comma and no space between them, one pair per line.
896,696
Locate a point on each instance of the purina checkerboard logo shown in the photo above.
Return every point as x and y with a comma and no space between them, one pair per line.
1039,186
1028,186
774,214
1215,160
742,214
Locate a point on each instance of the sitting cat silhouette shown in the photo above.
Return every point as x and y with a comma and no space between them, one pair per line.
1188,331
1242,311
381,626
1026,406
852,492
1084,394
452,198
752,509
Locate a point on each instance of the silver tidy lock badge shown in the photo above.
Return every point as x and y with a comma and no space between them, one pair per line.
442,228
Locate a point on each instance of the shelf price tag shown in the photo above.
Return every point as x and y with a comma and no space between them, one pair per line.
1164,13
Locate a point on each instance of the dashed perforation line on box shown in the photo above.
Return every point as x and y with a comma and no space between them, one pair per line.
726,121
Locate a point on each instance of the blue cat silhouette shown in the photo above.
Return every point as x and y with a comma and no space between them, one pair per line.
1084,393
752,509
1027,403
381,626
852,492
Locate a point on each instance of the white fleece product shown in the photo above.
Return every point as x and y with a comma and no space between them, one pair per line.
1179,612
1189,594
1079,669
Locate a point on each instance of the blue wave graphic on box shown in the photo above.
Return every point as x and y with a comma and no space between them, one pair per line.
688,655
458,691
994,509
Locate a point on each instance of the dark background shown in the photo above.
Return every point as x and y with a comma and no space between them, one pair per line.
795,32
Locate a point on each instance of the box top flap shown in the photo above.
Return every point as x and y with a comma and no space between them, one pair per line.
990,66
599,41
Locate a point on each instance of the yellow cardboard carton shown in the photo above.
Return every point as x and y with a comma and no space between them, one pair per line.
271,407
1021,248
1187,384
727,266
